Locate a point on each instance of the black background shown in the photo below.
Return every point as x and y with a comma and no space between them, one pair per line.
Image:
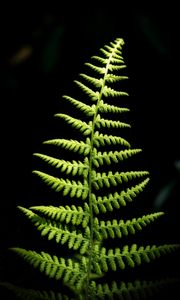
43,50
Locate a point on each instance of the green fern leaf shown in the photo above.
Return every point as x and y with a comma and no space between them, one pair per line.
68,187
52,266
101,122
100,59
93,95
87,109
95,81
100,158
78,124
104,107
59,232
111,78
104,139
114,228
104,61
73,168
130,290
115,67
116,200
30,294
116,258
99,70
109,179
72,145
113,48
111,55
67,214
109,92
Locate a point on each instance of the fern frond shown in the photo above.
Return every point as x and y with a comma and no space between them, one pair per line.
100,59
115,258
111,78
118,43
99,158
109,92
72,145
67,214
121,290
111,55
93,95
73,168
30,294
60,233
116,200
106,60
96,173
95,81
130,290
99,70
104,108
58,268
116,60
114,49
109,179
114,228
68,187
104,139
87,109
112,67
76,123
101,122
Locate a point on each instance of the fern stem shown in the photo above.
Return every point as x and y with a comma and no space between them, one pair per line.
88,291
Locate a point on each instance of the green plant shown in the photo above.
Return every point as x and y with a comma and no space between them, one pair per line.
94,185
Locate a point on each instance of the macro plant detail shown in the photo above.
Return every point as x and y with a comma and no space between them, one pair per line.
94,188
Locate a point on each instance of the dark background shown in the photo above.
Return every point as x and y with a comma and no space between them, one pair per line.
43,50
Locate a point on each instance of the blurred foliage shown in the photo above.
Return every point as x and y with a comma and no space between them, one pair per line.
169,190
52,50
